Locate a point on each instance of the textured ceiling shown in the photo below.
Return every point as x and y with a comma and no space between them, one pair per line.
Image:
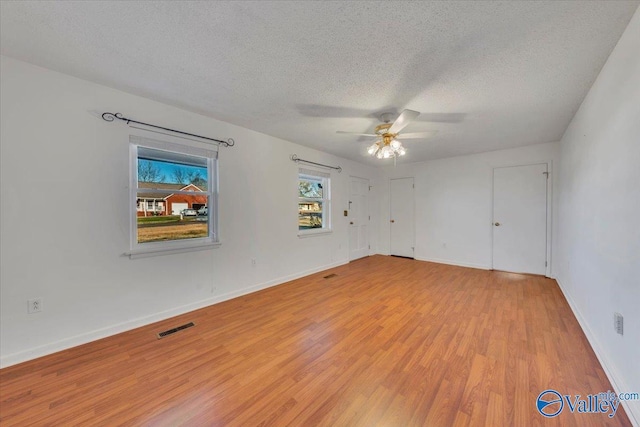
485,75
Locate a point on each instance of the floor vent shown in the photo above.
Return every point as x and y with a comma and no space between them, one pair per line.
330,276
174,330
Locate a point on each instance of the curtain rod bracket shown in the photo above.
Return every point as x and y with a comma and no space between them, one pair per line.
297,159
110,117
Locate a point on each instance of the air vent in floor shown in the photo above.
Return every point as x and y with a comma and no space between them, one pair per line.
330,276
174,330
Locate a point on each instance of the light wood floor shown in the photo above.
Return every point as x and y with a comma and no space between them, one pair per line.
387,342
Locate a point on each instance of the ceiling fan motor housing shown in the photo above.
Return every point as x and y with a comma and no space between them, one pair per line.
386,137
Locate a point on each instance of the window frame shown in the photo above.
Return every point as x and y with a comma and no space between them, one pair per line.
325,200
138,250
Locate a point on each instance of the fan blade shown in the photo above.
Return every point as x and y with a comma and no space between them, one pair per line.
403,120
356,133
416,135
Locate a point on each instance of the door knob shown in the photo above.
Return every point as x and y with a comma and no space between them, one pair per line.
393,220
497,224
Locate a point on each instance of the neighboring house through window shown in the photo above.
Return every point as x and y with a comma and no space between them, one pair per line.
173,196
154,203
314,202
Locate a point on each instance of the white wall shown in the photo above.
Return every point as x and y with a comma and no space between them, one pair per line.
453,202
598,258
65,216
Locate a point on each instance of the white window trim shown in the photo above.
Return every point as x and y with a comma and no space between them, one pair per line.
326,202
143,250
146,253
302,234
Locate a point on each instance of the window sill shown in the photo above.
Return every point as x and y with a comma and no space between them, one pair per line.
146,253
313,233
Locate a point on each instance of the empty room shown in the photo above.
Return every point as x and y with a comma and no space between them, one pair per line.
340,213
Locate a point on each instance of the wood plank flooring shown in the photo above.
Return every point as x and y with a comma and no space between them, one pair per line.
386,342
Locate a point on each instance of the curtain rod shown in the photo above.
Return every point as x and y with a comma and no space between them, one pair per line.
109,117
296,159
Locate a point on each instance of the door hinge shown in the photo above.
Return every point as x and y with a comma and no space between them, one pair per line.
545,263
413,186
369,246
369,217
371,186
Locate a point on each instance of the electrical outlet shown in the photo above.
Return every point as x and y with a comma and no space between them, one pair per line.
34,305
618,323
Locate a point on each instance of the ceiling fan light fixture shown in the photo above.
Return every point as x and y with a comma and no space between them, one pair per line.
386,148
386,145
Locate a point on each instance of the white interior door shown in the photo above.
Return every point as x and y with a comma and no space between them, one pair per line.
358,218
402,217
520,219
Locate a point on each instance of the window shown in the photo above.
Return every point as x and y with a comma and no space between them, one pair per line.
314,202
173,196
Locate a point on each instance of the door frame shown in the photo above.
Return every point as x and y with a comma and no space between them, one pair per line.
414,212
549,221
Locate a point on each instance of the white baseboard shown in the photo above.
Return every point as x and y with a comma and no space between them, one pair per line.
632,408
456,263
44,350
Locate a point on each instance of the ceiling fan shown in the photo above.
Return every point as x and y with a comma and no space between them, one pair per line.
387,145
